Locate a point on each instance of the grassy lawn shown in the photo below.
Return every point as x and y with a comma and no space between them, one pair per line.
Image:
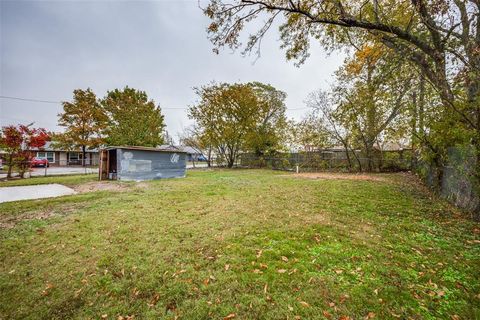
68,180
241,244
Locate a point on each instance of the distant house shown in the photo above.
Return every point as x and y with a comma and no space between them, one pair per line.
392,146
193,154
63,157
169,147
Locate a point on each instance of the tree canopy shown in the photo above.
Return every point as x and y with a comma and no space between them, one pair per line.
133,119
239,117
84,121
17,141
411,62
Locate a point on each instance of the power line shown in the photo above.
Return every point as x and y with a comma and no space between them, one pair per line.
30,100
163,108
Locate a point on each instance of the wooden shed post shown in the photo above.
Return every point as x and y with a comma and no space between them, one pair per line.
103,170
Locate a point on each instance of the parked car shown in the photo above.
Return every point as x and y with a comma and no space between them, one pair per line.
39,162
201,158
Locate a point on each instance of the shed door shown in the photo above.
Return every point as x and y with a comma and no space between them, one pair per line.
103,165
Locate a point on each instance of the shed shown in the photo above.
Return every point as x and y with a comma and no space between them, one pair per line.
141,163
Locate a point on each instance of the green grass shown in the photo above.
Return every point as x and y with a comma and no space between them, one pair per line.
257,244
68,180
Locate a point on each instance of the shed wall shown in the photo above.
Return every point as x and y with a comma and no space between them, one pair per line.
149,165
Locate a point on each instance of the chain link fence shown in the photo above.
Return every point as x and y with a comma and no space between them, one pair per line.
31,170
454,181
330,161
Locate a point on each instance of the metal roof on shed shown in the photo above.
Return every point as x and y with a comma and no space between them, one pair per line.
143,149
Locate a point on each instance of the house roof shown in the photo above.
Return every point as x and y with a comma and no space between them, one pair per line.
392,146
190,150
49,146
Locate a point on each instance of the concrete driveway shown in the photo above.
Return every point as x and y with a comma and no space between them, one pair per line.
8,194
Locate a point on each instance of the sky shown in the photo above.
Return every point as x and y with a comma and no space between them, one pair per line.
50,48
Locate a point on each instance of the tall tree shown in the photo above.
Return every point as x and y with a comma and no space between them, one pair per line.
310,132
371,92
84,122
134,120
439,38
236,117
425,32
270,131
325,115
225,114
17,141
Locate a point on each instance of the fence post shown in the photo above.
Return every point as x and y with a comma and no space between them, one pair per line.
298,161
45,170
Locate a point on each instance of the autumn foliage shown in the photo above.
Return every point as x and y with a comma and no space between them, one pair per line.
16,141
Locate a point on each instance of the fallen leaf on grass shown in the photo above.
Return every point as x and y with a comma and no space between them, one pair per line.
171,306
176,273
344,297
227,266
154,300
281,270
259,253
47,289
370,315
327,314
135,292
230,316
305,304
284,259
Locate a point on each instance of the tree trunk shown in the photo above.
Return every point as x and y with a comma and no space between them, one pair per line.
209,157
230,162
369,154
421,107
10,165
413,120
348,158
83,155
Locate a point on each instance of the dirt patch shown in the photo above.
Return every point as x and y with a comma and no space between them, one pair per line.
339,176
8,222
109,186
101,186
